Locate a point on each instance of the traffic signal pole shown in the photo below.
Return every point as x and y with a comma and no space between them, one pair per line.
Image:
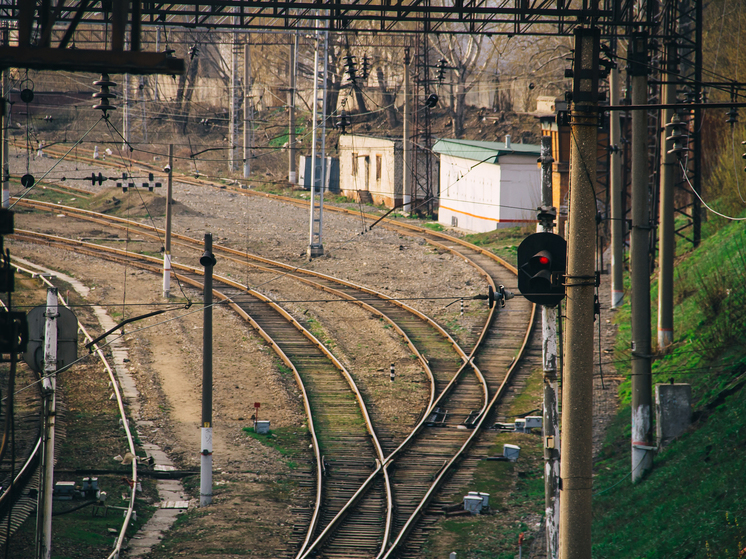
550,413
642,427
169,201
577,382
49,385
205,481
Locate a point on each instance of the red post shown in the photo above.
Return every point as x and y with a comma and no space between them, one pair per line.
520,545
256,413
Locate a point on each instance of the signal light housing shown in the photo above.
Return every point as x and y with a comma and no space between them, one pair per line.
541,268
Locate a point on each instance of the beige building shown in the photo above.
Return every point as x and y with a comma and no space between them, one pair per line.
370,169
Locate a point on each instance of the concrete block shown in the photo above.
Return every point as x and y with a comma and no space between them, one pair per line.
473,504
673,411
511,452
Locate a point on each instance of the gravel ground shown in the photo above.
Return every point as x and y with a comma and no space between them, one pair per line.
167,363
166,360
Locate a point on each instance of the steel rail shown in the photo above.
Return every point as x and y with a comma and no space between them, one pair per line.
412,230
122,414
414,517
292,271
130,258
130,441
193,243
416,431
17,482
380,469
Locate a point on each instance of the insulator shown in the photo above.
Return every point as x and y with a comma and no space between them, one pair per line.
104,95
676,137
365,67
732,116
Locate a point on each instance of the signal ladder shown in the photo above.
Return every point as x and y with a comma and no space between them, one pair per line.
318,167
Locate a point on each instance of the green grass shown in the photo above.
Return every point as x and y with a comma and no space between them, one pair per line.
43,194
503,242
516,492
288,441
693,502
318,331
282,139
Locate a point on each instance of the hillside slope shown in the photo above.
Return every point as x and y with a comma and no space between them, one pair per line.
693,503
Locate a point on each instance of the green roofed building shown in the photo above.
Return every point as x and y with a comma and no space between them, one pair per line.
488,185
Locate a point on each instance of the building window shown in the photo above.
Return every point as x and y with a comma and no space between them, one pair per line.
354,164
379,165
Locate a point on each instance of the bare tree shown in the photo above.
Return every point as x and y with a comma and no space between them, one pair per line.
469,58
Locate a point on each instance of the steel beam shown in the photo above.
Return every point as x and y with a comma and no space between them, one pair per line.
543,18
96,61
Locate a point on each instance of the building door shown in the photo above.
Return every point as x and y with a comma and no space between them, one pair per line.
367,172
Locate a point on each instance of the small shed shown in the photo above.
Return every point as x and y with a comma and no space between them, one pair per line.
370,169
331,177
488,185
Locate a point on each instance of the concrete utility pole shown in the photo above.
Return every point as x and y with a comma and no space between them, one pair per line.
642,426
4,123
233,115
205,479
617,223
666,225
169,198
577,389
247,110
550,420
49,386
292,173
407,148
126,113
155,76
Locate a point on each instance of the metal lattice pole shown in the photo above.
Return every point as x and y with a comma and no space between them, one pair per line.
318,161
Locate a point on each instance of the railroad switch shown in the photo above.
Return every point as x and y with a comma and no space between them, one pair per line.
437,418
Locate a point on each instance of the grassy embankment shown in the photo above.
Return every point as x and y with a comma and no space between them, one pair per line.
693,503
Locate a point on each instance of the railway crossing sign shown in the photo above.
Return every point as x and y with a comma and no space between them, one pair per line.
67,338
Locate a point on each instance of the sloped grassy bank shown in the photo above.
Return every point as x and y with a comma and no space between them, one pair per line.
693,503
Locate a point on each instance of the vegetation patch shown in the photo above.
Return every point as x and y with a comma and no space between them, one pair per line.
288,441
692,502
503,242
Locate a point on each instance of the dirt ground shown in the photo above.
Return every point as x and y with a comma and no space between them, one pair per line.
256,487
252,480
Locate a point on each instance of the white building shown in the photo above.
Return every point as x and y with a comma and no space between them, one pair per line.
370,169
488,185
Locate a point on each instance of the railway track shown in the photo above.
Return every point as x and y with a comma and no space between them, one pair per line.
423,336
426,459
21,476
21,444
344,441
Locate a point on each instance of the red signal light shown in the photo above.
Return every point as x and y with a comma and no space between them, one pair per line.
543,260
